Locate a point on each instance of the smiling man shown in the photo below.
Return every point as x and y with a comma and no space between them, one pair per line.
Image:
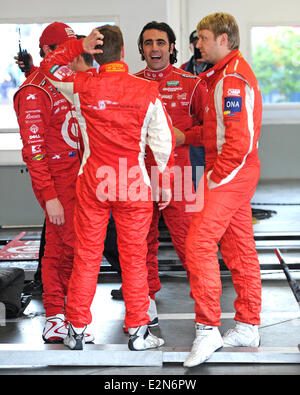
184,97
231,130
157,49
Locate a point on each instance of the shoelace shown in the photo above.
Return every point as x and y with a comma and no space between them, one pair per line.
235,330
196,343
153,340
198,339
201,333
231,331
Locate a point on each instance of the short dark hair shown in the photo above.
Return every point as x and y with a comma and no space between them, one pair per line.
112,44
88,58
164,27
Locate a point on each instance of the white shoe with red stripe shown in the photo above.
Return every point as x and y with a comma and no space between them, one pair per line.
56,329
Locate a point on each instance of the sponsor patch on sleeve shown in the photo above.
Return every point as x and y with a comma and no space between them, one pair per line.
233,92
38,157
232,105
60,72
36,149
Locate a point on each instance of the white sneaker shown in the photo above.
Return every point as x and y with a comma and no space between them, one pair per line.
208,340
55,329
242,335
142,339
75,338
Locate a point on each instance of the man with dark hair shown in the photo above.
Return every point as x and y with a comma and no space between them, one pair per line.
162,27
49,131
118,114
231,131
184,97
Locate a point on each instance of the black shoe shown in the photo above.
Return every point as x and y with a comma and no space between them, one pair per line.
117,294
34,288
142,339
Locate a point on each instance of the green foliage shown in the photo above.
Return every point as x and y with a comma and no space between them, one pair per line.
276,64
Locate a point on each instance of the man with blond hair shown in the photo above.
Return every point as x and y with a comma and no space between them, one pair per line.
231,130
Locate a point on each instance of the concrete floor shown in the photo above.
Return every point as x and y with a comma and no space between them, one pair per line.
280,325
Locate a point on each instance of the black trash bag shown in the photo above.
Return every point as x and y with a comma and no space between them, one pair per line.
11,287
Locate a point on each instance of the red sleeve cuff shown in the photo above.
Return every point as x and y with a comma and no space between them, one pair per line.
189,139
194,136
49,193
215,178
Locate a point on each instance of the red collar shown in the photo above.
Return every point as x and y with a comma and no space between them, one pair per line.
92,71
157,75
220,65
118,66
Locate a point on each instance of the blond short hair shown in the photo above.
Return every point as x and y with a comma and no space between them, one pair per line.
219,23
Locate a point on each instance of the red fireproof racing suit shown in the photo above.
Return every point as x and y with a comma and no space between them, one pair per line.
231,130
184,97
118,113
49,132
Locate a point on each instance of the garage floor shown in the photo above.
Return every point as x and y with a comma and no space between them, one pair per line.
280,311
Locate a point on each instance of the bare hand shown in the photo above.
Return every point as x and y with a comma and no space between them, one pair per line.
55,211
211,184
179,137
165,198
91,41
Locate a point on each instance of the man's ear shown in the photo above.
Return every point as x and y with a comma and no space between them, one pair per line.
171,48
123,53
224,39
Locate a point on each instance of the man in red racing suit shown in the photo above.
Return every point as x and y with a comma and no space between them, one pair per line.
83,62
117,113
184,97
231,130
49,132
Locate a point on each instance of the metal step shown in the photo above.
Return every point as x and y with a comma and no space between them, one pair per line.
120,355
